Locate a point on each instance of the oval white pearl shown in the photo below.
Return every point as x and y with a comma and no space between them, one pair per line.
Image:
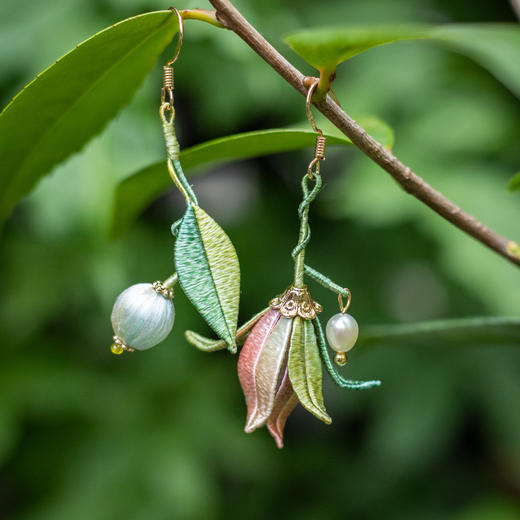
141,317
342,332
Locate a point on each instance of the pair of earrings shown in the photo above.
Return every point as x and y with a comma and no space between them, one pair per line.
280,363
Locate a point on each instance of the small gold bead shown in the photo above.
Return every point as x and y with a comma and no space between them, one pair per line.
340,358
116,349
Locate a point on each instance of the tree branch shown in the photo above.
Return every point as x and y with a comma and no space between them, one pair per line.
232,19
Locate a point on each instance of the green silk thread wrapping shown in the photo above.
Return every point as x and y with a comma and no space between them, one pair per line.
223,265
339,380
172,144
298,252
325,281
208,271
305,370
181,178
175,227
173,150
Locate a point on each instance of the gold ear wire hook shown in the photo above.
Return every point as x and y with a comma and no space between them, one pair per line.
168,83
181,36
308,101
321,141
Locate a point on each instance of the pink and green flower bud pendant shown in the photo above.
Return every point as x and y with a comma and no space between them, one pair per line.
280,364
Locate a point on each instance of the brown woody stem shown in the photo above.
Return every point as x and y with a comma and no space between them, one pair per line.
232,19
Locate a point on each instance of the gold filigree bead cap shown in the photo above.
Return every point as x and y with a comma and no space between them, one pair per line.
296,301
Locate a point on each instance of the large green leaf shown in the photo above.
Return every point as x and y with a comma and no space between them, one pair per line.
71,101
494,46
138,190
209,272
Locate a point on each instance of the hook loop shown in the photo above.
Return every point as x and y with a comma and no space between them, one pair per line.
181,36
168,81
308,102
321,141
167,96
313,169
344,307
167,113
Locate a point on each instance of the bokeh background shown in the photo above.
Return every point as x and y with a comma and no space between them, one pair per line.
87,435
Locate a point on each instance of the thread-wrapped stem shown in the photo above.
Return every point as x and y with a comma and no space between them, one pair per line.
326,282
303,239
170,139
170,281
167,114
298,253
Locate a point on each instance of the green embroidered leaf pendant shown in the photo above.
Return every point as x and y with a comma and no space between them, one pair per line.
209,273
304,366
206,263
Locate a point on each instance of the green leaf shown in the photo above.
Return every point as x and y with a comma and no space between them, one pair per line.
325,48
209,274
304,366
514,183
138,190
459,331
70,102
495,47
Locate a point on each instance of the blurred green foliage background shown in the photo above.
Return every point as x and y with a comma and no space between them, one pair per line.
154,436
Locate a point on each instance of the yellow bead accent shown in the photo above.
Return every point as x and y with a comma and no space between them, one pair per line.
116,349
340,358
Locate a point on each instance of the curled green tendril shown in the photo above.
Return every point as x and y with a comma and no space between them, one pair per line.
338,379
298,253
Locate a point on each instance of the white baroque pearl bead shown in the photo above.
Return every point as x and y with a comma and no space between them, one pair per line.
342,332
141,317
